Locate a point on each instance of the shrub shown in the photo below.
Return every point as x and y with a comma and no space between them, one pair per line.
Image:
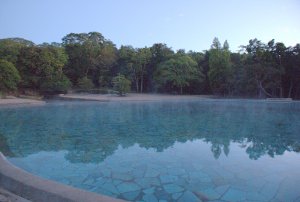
85,83
9,77
121,84
55,85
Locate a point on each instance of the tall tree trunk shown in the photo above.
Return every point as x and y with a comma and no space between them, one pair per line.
261,89
87,71
142,80
181,90
281,91
136,81
137,85
290,90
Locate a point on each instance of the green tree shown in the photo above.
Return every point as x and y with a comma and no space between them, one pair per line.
226,45
90,55
159,53
39,66
219,68
126,62
242,84
9,77
121,84
199,83
10,48
142,60
291,80
58,83
216,44
261,68
135,61
178,71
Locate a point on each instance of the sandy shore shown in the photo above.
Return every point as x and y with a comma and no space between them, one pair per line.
130,97
19,101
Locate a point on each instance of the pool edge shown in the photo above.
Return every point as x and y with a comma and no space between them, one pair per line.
35,188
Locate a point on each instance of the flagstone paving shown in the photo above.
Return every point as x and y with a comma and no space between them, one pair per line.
185,185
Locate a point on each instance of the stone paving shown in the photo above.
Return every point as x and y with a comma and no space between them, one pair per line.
155,184
152,179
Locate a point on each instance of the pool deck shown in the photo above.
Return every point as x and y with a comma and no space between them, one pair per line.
14,101
130,97
21,186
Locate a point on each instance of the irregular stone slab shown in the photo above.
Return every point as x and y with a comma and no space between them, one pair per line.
162,194
103,191
138,173
122,176
131,196
200,176
234,195
128,187
222,189
288,190
176,195
256,183
255,196
117,182
172,188
106,172
168,178
151,173
149,191
150,198
219,181
147,182
269,190
124,169
96,174
189,196
198,186
208,194
239,184
89,181
100,181
182,182
110,187
177,171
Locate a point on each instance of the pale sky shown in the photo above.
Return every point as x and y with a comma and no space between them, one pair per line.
181,24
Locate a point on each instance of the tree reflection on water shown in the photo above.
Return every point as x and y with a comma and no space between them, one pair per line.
91,132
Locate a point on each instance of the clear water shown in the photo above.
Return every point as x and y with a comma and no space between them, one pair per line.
216,150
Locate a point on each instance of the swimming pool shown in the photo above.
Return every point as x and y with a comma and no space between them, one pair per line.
209,150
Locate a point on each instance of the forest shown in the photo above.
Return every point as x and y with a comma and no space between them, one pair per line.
88,62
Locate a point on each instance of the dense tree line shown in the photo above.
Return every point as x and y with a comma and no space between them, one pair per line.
90,61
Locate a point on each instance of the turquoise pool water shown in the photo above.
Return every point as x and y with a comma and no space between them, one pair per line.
214,150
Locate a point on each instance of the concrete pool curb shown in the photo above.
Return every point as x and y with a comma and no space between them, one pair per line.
34,188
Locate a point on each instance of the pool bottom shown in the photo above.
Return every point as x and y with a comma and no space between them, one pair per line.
181,173
25,186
